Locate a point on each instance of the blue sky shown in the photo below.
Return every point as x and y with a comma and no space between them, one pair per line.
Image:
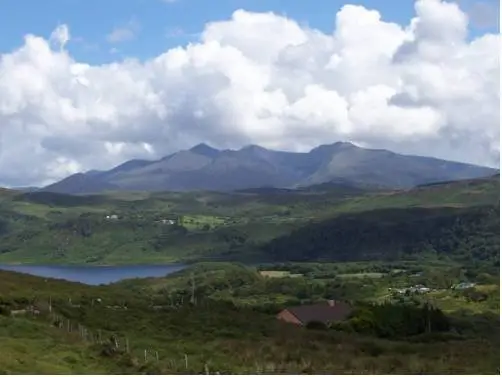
156,25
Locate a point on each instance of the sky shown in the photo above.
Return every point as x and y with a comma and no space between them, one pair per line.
89,84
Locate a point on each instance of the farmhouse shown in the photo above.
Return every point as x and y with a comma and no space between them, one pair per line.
330,311
464,285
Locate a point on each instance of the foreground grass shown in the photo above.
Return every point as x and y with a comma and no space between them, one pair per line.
28,347
225,340
232,332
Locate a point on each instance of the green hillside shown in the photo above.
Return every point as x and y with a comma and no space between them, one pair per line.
56,228
220,318
393,234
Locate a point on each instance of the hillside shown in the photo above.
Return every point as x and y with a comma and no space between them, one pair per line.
396,234
227,325
205,168
46,227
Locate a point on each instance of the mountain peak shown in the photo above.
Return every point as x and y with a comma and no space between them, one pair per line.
206,168
329,148
205,150
343,144
253,148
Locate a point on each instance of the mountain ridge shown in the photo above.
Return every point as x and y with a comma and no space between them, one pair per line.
203,167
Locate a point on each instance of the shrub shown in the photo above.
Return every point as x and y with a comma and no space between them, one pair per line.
4,311
316,325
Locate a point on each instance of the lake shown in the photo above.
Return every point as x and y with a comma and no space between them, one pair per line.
95,275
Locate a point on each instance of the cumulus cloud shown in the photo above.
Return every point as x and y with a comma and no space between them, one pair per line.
260,78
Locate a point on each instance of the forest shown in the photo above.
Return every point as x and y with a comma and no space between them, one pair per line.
393,234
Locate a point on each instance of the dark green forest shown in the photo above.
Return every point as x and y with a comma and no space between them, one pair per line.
463,234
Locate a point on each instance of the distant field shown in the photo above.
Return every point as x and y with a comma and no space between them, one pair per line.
200,221
450,302
279,274
371,275
487,288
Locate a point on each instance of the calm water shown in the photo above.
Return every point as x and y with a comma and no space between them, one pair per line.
95,275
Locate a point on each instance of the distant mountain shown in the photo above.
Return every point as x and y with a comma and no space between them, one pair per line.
81,183
205,168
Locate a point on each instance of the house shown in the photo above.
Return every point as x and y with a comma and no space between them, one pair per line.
464,285
415,289
330,311
420,288
168,221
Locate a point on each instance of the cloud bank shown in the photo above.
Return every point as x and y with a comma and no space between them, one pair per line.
257,78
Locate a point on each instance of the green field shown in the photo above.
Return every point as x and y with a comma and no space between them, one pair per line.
371,275
279,274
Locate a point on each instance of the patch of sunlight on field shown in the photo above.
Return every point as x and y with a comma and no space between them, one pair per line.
362,275
279,274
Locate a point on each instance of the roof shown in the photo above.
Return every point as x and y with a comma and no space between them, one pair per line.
322,312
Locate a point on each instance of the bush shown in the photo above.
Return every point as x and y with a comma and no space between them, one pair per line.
395,321
435,337
5,311
316,325
472,294
371,348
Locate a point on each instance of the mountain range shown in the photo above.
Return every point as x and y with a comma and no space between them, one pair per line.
205,168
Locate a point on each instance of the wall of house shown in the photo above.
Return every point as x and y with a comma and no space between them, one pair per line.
286,316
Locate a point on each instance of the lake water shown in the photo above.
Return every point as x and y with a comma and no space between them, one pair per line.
95,275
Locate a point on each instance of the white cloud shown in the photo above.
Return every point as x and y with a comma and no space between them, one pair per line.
124,33
257,78
61,36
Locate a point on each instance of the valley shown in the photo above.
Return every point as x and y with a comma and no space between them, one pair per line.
249,226
418,270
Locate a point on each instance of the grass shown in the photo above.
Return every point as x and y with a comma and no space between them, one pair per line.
362,275
230,333
454,301
198,222
279,274
27,347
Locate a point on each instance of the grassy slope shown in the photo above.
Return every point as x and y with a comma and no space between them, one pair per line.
27,347
218,337
52,228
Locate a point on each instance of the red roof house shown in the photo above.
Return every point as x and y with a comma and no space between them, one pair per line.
330,311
